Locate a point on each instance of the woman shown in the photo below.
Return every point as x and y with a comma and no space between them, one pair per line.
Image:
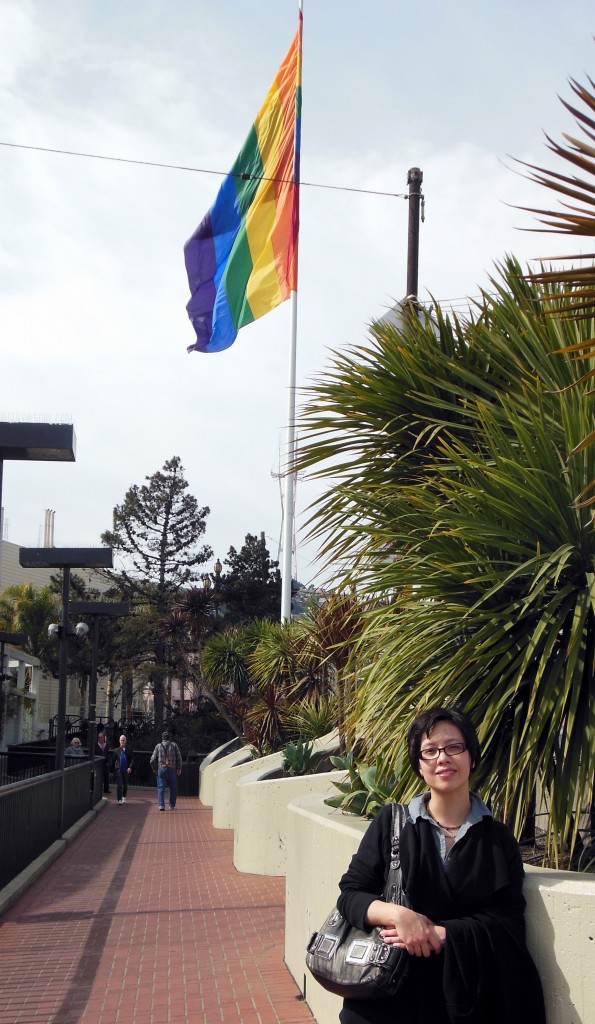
463,875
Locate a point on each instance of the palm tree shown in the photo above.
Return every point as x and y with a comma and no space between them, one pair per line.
451,504
28,609
329,632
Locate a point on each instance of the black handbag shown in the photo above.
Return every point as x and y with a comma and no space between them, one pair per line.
358,964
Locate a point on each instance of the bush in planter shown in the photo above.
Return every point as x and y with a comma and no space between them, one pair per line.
312,719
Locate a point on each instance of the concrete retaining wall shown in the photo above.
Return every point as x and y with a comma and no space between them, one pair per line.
261,825
213,762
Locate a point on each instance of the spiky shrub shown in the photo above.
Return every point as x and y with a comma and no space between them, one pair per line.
453,502
314,718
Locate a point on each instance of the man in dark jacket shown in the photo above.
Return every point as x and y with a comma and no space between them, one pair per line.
123,767
101,750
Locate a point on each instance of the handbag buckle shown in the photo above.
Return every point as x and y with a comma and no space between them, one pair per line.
367,952
323,945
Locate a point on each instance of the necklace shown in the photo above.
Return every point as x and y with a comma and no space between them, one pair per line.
448,828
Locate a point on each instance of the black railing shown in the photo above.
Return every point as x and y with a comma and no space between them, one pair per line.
139,725
28,762
30,814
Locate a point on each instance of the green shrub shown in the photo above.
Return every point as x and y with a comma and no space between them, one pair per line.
368,787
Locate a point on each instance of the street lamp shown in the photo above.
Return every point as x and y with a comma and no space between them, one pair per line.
95,609
65,559
41,442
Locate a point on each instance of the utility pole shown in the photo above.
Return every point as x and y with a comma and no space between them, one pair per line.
414,180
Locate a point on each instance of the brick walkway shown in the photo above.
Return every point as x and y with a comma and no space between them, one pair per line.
115,931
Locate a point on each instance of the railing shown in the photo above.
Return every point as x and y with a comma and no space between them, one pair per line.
30,762
30,813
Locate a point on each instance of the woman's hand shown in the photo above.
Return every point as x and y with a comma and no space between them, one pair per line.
407,929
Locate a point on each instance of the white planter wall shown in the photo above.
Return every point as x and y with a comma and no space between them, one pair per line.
224,786
214,763
261,825
227,772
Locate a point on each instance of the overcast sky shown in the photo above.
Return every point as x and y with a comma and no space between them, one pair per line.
92,281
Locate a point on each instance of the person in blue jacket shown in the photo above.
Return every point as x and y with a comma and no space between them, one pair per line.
463,875
123,767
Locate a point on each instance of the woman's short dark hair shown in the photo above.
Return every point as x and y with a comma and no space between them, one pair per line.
423,724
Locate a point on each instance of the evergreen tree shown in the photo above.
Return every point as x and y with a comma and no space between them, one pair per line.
251,589
157,530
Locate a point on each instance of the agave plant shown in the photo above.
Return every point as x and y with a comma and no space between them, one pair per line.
367,787
452,505
297,757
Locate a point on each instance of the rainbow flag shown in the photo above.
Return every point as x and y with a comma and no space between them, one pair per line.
242,259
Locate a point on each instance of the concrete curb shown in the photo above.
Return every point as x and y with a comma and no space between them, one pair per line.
15,889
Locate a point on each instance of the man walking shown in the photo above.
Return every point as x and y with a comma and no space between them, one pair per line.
101,750
123,766
166,760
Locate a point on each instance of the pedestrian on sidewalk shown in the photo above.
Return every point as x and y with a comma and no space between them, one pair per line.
101,750
123,768
166,760
74,749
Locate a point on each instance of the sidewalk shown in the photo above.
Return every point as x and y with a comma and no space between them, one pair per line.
145,920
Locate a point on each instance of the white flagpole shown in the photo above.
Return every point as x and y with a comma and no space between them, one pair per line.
288,504
289,500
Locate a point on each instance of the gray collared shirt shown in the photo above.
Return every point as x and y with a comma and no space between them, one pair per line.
418,808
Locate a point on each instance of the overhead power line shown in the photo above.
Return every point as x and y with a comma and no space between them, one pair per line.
198,170
461,302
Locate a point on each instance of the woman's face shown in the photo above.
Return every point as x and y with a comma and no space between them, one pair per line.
448,772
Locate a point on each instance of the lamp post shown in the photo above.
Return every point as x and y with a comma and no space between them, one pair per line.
65,559
41,442
96,609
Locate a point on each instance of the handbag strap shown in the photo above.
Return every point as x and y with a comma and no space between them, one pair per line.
394,881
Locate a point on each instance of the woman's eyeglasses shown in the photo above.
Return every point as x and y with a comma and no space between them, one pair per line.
451,750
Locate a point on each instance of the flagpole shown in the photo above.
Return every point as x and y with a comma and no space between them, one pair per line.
290,477
289,499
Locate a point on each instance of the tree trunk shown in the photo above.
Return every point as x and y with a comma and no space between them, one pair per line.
83,688
158,701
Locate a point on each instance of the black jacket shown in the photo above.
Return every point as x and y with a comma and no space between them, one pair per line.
484,974
129,756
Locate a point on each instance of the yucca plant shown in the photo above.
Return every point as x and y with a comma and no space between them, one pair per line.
314,718
451,503
573,220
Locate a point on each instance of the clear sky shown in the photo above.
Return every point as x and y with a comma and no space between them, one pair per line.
92,280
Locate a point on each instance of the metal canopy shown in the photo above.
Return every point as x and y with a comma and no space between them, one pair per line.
44,442
63,558
12,638
99,608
